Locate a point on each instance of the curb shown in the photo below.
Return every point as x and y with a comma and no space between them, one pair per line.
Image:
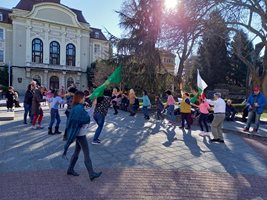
244,133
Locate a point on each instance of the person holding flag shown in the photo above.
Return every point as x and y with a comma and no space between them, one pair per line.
103,102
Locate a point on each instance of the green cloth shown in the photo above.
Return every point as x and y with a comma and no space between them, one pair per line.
114,78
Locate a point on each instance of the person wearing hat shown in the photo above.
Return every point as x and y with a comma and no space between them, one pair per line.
256,102
219,116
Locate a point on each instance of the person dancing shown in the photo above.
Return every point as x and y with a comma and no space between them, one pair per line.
78,117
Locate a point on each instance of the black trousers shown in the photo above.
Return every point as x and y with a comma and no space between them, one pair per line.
186,117
115,107
81,143
202,120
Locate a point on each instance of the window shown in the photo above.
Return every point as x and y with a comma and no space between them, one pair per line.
37,78
37,51
96,34
1,17
1,56
54,83
97,49
70,55
70,81
1,34
54,53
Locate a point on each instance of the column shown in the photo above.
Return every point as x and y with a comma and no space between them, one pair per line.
45,81
46,45
62,80
63,46
78,81
28,41
79,52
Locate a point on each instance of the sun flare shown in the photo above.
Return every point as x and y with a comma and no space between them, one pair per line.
170,4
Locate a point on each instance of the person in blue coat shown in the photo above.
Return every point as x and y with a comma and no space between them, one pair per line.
256,104
77,124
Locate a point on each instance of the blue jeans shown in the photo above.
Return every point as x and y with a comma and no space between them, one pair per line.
100,120
170,113
145,111
27,110
54,115
250,118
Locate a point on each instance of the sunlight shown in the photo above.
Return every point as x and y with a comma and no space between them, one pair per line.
170,4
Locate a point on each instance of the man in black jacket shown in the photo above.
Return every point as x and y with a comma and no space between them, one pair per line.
28,103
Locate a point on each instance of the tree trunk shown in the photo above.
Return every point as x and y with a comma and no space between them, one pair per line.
264,82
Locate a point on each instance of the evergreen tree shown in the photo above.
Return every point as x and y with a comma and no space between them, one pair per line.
212,53
141,20
239,70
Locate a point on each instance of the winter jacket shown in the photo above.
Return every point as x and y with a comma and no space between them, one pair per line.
260,99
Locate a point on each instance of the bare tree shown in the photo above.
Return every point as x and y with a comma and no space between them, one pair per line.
183,27
250,15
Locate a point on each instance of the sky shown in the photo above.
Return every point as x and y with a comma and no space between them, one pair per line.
99,13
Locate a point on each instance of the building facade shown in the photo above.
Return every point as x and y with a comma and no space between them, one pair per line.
49,42
168,61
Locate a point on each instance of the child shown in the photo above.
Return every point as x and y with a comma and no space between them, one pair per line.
160,108
10,99
133,102
185,109
55,102
170,107
203,117
146,104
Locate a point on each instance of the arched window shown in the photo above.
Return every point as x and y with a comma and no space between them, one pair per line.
70,81
54,83
37,50
54,53
38,80
70,55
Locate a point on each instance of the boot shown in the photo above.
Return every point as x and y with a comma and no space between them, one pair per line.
57,131
71,167
50,131
65,135
95,175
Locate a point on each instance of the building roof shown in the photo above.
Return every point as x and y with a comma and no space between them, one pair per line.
28,5
97,34
6,18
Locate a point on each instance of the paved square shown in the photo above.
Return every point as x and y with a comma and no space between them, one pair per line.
140,160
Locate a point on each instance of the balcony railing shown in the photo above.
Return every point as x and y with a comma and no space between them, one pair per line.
56,67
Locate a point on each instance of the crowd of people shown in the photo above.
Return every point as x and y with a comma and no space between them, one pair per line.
81,109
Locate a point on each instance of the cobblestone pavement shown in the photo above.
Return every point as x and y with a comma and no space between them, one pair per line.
140,160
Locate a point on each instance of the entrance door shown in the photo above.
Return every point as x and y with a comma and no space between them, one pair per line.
54,83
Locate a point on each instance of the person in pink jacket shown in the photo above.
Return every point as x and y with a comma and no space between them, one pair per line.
204,113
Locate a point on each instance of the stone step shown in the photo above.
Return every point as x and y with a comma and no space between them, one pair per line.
6,116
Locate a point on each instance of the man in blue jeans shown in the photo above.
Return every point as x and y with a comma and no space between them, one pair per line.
101,110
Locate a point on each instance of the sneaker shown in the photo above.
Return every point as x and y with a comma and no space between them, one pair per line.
206,133
255,130
96,142
40,127
34,127
221,141
202,134
246,129
215,140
